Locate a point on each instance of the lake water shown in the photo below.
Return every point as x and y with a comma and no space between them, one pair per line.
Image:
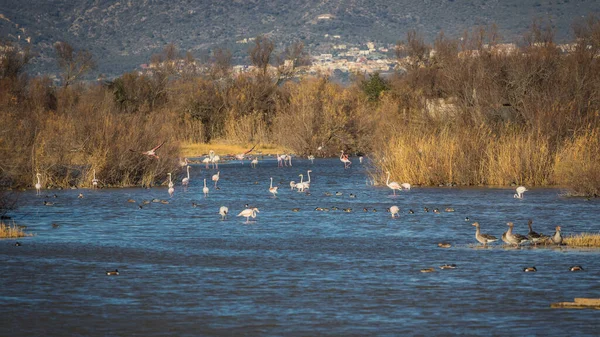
184,272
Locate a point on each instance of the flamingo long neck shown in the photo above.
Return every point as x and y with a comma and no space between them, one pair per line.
271,183
342,155
170,178
301,179
38,178
204,182
94,174
308,176
387,182
188,172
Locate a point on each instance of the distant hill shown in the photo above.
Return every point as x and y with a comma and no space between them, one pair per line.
123,34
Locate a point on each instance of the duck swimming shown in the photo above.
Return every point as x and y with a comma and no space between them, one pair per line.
112,272
530,269
576,268
448,266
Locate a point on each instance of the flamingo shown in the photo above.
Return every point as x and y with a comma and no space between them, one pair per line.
249,212
171,188
215,178
360,159
311,158
38,185
300,185
395,210
520,191
206,161
279,160
254,162
345,160
272,189
205,189
288,158
306,184
223,211
293,184
183,162
151,153
242,155
185,181
405,186
94,180
393,185
215,161
171,185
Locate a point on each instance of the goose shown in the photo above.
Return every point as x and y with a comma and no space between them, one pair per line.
249,212
557,238
483,238
533,236
514,238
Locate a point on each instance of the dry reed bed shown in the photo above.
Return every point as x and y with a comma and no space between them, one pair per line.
11,231
591,240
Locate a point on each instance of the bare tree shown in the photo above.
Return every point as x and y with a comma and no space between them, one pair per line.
291,59
73,63
415,48
261,52
13,60
221,63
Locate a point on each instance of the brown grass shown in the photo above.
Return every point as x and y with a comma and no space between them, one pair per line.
583,240
222,147
578,164
11,231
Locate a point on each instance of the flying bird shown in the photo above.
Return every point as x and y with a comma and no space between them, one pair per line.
152,152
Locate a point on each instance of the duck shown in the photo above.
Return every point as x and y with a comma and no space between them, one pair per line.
483,238
80,196
48,203
318,209
557,238
17,244
334,208
131,200
365,209
448,266
352,195
194,204
374,210
347,210
164,202
530,269
410,211
425,209
436,211
467,218
338,193
444,245
296,209
576,268
112,272
533,236
514,238
449,209
328,194
55,225
427,270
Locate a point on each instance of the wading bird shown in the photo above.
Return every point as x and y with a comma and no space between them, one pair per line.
254,162
520,191
249,212
171,186
205,189
185,181
393,185
395,210
150,153
345,160
242,155
215,178
483,238
557,238
405,186
300,185
311,158
272,189
94,180
223,211
38,185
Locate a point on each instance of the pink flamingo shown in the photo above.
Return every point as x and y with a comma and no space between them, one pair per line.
205,189
242,155
185,181
249,212
272,189
94,180
345,160
38,185
152,152
393,185
215,178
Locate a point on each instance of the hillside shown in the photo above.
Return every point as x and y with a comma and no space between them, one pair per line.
123,34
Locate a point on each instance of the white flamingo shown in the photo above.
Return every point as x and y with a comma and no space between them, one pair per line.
249,212
393,185
185,181
171,185
293,184
215,178
223,211
360,159
241,156
394,210
288,158
38,185
311,158
206,161
279,160
306,184
520,191
254,162
405,186
300,185
272,189
205,189
183,162
94,180
345,160
215,161
171,188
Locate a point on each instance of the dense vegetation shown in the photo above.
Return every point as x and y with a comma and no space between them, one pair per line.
470,113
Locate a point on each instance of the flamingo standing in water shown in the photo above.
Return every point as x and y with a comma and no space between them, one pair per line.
405,186
215,178
94,180
171,188
206,161
254,162
38,185
242,155
311,158
223,211
272,189
205,189
185,181
345,160
288,158
306,184
249,212
520,191
300,185
393,185
395,210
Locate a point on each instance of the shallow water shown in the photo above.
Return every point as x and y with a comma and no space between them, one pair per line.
184,272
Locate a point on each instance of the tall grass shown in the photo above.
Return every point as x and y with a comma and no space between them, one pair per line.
583,240
11,231
577,164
